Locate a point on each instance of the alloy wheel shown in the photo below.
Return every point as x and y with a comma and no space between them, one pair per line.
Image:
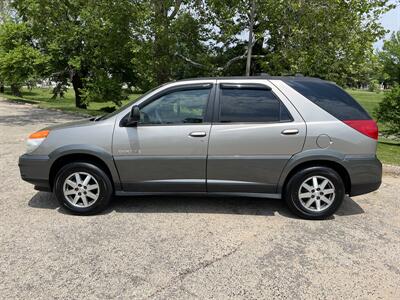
316,193
81,189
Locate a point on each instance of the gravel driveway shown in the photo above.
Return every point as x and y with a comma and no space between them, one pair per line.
179,247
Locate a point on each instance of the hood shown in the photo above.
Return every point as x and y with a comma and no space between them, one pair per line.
78,123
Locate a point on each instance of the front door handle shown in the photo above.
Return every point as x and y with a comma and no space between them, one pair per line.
197,134
290,131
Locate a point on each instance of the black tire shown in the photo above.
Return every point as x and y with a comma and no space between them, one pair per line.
291,192
105,187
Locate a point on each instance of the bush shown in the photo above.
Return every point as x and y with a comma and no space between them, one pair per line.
373,86
388,111
101,88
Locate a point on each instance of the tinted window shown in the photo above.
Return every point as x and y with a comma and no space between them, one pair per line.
176,108
331,98
251,105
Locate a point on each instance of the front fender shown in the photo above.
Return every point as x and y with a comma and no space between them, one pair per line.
92,150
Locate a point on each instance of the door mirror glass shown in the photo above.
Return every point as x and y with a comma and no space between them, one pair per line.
134,116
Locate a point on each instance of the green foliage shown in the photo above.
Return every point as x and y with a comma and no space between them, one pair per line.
101,87
101,46
20,61
170,43
328,39
323,38
388,111
373,86
84,39
390,58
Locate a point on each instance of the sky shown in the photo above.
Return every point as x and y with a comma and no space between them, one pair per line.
390,21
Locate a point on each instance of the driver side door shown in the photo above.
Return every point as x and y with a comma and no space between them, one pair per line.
167,150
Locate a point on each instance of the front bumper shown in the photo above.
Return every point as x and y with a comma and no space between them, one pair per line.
365,174
35,169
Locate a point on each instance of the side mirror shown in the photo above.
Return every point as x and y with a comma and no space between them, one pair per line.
134,117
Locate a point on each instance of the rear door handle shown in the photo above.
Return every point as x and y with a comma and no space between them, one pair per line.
197,134
290,131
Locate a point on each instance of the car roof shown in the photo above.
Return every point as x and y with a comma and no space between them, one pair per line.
268,77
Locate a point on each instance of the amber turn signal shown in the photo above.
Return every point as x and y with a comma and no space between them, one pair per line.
39,134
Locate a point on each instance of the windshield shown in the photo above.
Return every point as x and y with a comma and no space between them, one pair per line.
107,116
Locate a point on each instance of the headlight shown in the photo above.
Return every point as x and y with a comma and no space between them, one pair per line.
35,139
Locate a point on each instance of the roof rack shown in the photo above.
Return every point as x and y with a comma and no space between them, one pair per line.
297,77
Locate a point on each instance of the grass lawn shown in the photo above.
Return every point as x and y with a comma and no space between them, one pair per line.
42,97
369,100
388,150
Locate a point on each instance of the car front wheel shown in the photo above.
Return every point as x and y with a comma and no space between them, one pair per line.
83,188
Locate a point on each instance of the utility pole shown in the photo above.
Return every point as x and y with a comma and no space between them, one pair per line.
250,42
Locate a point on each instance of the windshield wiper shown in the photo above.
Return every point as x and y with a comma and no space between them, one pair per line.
97,118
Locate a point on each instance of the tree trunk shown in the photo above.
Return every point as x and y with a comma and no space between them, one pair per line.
15,90
162,55
77,84
250,42
1,88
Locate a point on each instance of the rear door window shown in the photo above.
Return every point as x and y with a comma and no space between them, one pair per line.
330,98
251,105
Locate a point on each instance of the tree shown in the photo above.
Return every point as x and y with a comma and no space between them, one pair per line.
20,61
101,46
325,38
329,39
231,21
4,16
87,41
172,43
390,58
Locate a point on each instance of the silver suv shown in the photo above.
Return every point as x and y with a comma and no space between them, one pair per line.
301,139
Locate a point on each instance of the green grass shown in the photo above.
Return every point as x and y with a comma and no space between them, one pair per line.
388,150
42,97
369,100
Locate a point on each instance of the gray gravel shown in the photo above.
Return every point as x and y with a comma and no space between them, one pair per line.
175,247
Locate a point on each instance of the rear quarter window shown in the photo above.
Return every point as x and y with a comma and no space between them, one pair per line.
330,98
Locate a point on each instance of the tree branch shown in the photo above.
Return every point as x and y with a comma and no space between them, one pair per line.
176,9
192,62
243,56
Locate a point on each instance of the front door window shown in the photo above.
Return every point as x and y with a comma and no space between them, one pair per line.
180,107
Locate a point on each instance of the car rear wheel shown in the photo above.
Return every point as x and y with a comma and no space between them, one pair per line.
83,188
315,192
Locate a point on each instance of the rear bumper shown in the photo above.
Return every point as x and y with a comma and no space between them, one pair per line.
35,169
365,174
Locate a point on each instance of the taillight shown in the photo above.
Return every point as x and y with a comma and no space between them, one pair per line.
367,127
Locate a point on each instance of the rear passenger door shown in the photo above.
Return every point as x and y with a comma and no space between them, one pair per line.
255,132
